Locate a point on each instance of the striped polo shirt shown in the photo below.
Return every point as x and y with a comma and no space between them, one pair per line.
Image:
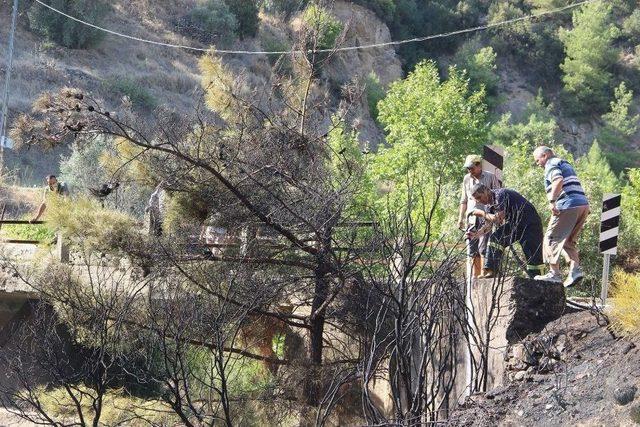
572,194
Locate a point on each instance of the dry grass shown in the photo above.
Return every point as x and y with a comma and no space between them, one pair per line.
625,298
118,408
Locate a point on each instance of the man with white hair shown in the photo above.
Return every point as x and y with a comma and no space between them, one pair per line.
569,207
477,246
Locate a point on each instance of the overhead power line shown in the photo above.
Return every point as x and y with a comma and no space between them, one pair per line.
339,49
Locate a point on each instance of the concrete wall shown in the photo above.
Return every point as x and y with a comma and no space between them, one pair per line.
504,311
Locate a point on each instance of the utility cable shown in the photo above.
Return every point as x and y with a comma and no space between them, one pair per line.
339,49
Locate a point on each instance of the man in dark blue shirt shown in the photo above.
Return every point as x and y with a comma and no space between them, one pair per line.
517,220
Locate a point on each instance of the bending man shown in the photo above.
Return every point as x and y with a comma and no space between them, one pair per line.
54,187
517,220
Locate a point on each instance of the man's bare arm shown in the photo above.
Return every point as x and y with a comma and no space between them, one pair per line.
496,218
41,210
461,215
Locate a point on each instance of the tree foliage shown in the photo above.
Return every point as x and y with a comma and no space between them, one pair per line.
619,127
247,16
589,57
480,65
210,22
431,124
65,31
320,21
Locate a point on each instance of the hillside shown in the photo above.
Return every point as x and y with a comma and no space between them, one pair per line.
576,373
272,233
164,76
154,75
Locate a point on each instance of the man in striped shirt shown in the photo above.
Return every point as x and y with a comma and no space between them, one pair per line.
569,207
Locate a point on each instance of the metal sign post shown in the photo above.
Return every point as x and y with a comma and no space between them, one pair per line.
493,160
609,222
605,278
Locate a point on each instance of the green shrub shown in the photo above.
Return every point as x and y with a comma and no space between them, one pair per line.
630,219
618,129
137,94
631,27
39,232
324,24
480,65
65,31
286,8
246,13
590,54
375,93
210,22
535,47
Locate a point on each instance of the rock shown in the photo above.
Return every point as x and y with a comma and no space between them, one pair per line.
628,346
547,364
520,375
496,391
625,395
635,414
548,406
535,303
519,351
561,343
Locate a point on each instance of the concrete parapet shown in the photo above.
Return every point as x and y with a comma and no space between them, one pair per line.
505,310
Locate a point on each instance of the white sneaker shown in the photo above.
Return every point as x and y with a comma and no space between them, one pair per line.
549,277
575,276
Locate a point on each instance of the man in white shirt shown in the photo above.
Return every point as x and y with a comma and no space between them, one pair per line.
476,247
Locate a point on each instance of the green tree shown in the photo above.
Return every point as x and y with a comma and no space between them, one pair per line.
321,22
246,13
619,126
630,219
374,92
432,122
589,56
534,46
597,178
538,127
631,27
480,64
286,8
431,125
210,22
619,119
65,31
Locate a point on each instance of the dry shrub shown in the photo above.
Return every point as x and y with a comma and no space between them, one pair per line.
118,407
625,298
84,220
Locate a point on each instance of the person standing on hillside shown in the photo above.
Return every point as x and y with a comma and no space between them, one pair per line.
569,207
517,221
469,223
53,188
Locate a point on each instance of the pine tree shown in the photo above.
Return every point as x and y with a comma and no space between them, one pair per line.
64,31
589,56
246,13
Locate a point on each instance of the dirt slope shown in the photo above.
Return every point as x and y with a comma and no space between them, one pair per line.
577,374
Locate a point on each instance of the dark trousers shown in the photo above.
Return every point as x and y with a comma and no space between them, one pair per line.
529,235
